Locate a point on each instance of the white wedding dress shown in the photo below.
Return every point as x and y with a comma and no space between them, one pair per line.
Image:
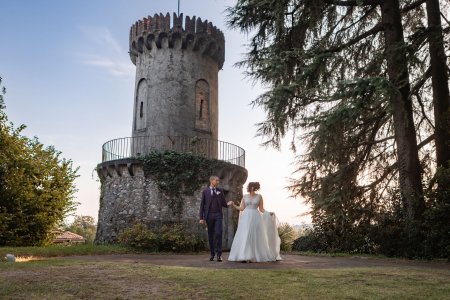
256,238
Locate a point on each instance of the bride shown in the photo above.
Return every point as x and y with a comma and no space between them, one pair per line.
256,238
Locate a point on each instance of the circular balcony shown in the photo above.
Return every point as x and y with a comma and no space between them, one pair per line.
134,147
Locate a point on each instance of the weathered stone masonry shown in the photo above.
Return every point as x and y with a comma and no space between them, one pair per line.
176,76
128,196
176,95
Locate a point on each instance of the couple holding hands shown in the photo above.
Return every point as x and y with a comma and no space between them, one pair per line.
256,238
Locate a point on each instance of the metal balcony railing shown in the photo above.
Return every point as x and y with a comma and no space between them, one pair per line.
130,147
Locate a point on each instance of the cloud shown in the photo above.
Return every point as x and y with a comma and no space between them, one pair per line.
112,65
114,58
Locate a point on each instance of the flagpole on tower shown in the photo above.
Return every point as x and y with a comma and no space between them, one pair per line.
178,7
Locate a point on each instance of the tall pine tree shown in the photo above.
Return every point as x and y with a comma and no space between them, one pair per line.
339,76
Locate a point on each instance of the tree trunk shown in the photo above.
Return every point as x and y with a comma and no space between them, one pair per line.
401,105
439,76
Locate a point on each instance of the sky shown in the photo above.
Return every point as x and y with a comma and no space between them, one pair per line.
69,79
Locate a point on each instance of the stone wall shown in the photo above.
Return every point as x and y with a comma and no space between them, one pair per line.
127,197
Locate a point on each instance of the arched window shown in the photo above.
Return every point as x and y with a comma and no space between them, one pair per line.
202,121
141,104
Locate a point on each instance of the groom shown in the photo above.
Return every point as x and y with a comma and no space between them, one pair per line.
213,199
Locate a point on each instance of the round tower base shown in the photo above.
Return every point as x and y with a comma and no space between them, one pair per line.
129,197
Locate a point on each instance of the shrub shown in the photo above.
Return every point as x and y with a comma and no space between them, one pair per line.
167,238
436,225
287,235
179,238
309,241
139,236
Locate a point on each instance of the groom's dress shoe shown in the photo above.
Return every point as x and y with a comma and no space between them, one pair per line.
219,258
211,258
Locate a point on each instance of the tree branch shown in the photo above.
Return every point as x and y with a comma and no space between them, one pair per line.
418,85
392,167
446,20
387,185
354,2
422,108
372,137
356,22
383,140
293,11
412,6
415,92
373,2
425,142
348,12
374,142
377,28
385,174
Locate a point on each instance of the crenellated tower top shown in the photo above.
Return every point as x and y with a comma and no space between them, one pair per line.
194,34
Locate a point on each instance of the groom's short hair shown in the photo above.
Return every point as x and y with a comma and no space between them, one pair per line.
213,177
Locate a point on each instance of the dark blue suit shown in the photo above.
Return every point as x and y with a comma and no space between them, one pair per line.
213,220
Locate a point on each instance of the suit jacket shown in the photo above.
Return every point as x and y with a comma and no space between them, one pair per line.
206,202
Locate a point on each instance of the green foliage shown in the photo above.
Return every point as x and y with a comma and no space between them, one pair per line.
84,226
36,187
167,238
178,238
2,101
394,235
178,174
324,66
139,236
309,241
287,235
437,217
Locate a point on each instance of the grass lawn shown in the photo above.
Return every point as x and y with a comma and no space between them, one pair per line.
64,250
81,279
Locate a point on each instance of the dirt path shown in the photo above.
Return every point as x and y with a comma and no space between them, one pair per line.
289,261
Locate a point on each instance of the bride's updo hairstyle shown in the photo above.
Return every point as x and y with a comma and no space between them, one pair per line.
253,186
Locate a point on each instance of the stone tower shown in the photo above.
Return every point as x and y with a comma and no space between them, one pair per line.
176,91
175,108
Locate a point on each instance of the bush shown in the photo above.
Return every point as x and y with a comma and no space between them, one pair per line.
169,237
436,226
178,238
287,235
140,237
389,232
310,241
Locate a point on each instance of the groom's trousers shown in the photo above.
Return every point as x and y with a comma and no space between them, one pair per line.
214,223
